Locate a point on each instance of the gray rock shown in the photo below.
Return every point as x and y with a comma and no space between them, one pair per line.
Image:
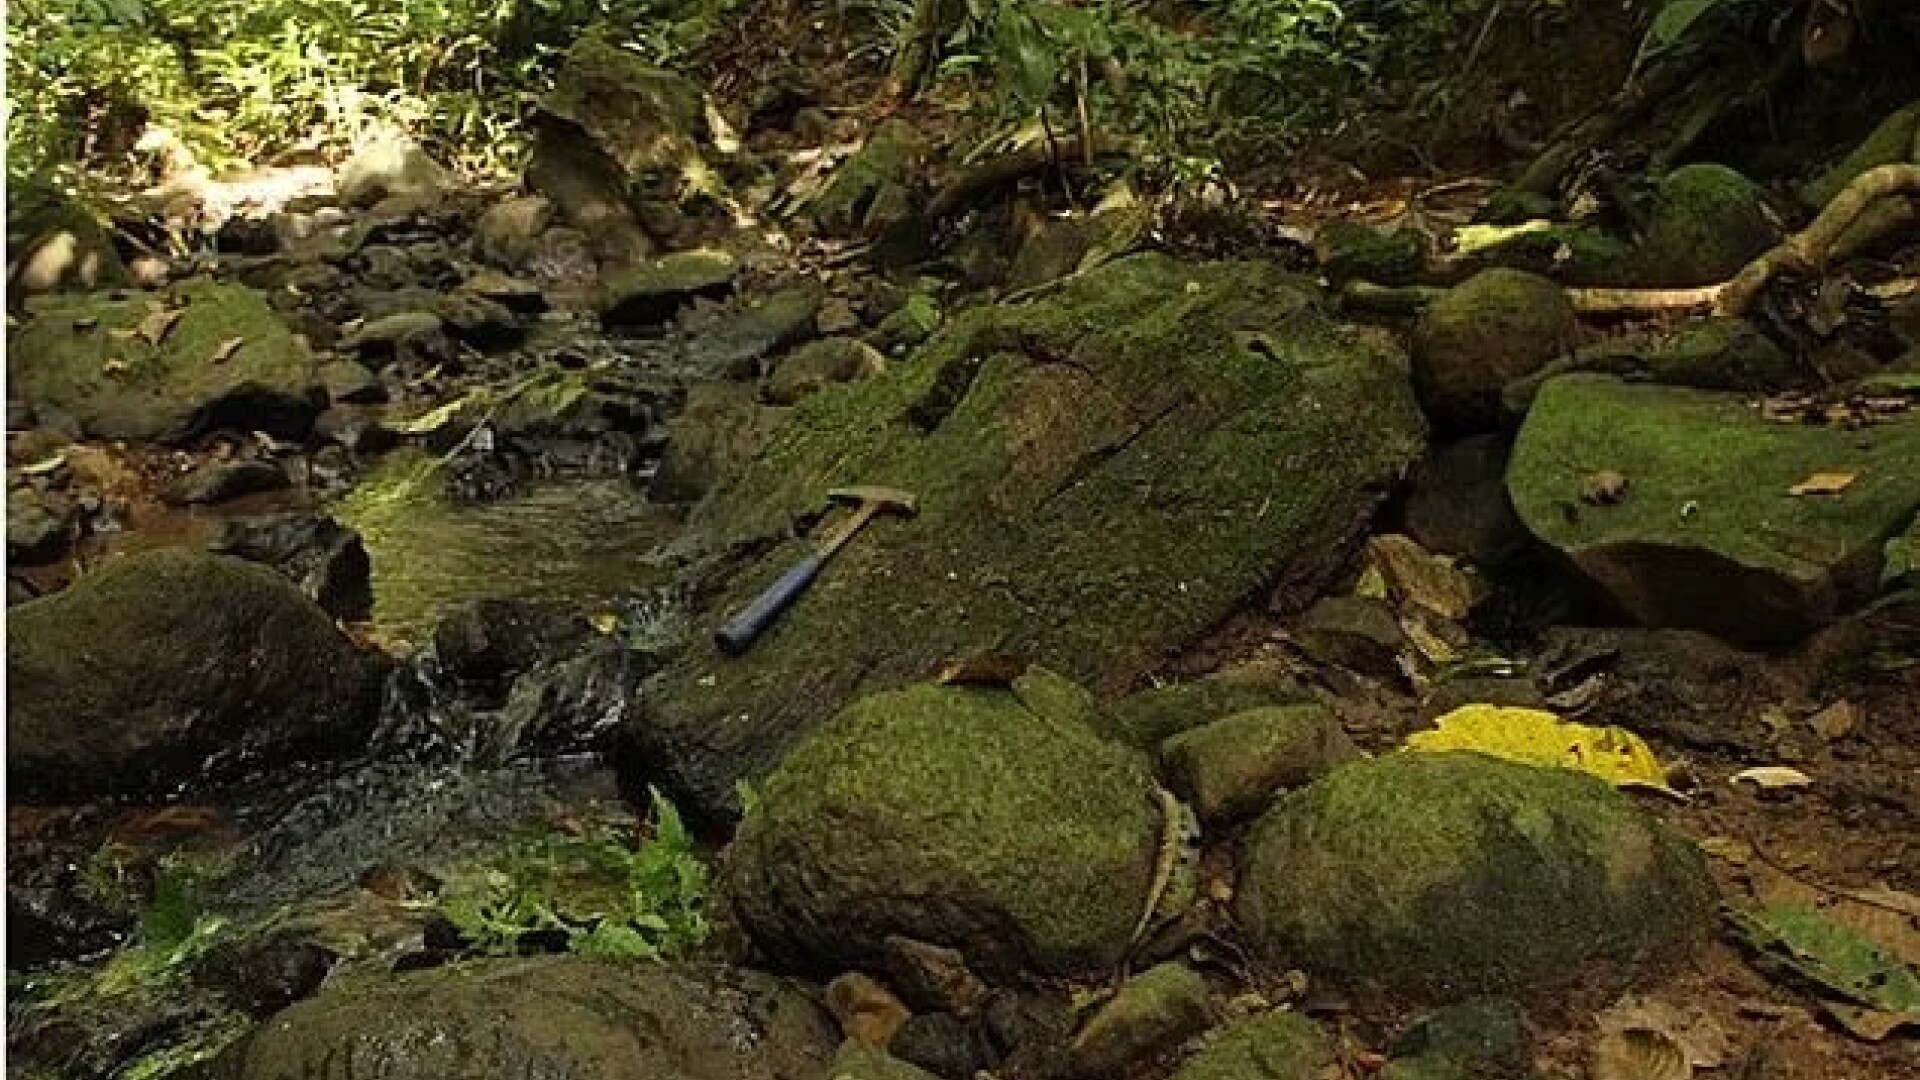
1233,767
1359,633
545,1018
325,559
737,345
38,528
1446,875
172,665
506,234
651,293
389,166
1456,503
1150,1014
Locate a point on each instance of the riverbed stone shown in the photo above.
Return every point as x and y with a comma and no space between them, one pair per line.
534,1019
1707,221
1232,767
1276,1045
1709,535
718,431
1495,327
872,189
227,361
506,235
1151,1013
653,291
817,365
955,815
1440,876
1169,438
171,665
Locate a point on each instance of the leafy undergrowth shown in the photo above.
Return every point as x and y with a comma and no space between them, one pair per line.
597,893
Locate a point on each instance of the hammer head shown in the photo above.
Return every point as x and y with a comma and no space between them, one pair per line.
884,500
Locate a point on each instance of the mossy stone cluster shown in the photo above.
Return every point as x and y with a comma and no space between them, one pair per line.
952,815
1102,477
873,189
122,373
1497,326
1448,875
1708,534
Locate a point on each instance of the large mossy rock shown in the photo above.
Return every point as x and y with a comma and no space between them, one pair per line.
1707,221
991,821
1103,476
119,369
1277,1045
1447,875
1708,534
874,188
1495,327
174,664
542,1019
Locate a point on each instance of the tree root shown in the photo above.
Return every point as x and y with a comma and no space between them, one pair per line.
1809,250
961,192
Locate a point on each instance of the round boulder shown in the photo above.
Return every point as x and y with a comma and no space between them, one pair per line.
1495,327
1447,875
546,1017
172,665
957,816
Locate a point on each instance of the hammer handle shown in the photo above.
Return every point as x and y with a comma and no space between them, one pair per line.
741,630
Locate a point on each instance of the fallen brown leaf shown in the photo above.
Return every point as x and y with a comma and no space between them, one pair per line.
155,326
1603,488
1836,721
1824,483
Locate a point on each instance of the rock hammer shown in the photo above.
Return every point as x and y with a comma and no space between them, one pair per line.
739,632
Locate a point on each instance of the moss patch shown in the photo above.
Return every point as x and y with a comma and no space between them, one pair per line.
1102,476
956,816
1708,535
1276,1045
1446,875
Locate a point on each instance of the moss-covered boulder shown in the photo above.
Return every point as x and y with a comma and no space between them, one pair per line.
1706,222
971,818
1150,1014
645,119
173,665
1708,533
126,369
874,188
1232,767
1277,1045
1902,567
653,291
1356,251
1448,875
1894,141
1495,327
1712,353
718,431
1103,476
817,365
1149,718
543,1018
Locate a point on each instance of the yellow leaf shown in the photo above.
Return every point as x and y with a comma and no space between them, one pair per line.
1824,483
605,622
1537,737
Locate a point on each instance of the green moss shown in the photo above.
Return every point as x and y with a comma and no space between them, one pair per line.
955,816
1708,221
1233,766
1896,140
1102,477
1709,534
1150,717
1277,1045
1350,250
1446,875
642,117
1497,326
87,355
868,191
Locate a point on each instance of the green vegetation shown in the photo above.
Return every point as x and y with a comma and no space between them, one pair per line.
599,891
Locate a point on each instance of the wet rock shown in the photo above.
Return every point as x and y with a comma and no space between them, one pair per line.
325,559
1149,718
1277,1045
1443,875
493,641
1709,354
1497,326
814,367
266,975
55,243
1078,416
547,1017
566,706
507,233
390,165
942,1044
482,323
959,817
223,481
1359,633
719,430
350,382
1354,250
737,345
1680,686
54,914
1233,767
383,333
174,665
1474,1039
518,296
227,362
359,429
1708,535
39,528
873,189
653,292
1151,1013
1456,503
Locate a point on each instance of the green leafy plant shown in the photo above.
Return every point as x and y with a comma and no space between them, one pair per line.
599,891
